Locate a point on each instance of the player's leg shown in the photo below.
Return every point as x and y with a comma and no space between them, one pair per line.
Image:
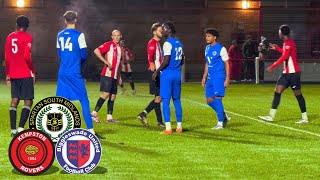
157,109
154,90
111,100
27,94
130,79
218,93
281,85
105,87
296,87
123,90
176,96
15,93
166,94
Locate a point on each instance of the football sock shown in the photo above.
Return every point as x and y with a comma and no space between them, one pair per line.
24,116
13,131
99,104
110,106
168,126
85,105
178,108
132,85
219,109
276,100
92,131
157,109
20,129
272,113
302,103
109,116
179,125
13,117
166,109
150,107
304,116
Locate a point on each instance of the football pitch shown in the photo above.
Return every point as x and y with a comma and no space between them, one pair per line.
247,149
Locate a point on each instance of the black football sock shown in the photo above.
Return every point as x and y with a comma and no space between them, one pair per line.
24,116
302,103
276,100
132,85
150,107
99,104
157,109
13,118
110,106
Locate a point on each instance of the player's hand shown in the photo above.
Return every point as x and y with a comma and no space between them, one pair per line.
8,81
34,78
109,66
203,82
273,46
152,67
226,82
120,81
269,69
154,75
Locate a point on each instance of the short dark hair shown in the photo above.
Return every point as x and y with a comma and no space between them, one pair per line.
285,30
22,22
155,26
70,17
171,26
212,31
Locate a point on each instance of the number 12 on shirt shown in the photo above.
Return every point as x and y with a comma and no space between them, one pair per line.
179,54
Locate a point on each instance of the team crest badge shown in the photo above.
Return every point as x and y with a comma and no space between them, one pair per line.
214,53
54,116
31,152
78,151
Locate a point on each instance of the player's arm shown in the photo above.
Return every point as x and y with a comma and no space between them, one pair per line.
27,56
276,47
130,55
83,47
119,74
225,58
205,75
167,47
101,50
151,53
7,62
285,55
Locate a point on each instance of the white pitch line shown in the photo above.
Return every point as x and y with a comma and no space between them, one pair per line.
261,121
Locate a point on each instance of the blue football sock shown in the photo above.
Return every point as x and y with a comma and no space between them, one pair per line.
178,108
166,109
86,112
219,109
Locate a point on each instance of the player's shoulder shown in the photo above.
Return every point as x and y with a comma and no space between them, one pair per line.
289,44
152,42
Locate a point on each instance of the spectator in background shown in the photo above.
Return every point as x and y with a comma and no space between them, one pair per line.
235,57
249,53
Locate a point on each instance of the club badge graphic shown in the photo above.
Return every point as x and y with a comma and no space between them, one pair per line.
31,152
78,151
54,116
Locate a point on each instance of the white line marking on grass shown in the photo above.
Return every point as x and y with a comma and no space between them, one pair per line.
261,121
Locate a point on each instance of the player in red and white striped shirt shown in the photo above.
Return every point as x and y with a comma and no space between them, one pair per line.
290,75
110,74
155,58
126,70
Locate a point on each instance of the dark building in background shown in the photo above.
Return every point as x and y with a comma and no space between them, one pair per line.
97,18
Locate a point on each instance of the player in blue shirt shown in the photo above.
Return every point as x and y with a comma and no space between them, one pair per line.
216,76
72,52
170,78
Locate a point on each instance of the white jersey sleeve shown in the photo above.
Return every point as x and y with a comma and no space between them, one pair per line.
82,41
167,47
224,54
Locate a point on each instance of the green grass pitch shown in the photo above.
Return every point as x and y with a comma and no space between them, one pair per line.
246,149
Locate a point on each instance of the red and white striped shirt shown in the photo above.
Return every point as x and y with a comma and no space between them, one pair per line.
288,58
127,56
112,53
154,53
